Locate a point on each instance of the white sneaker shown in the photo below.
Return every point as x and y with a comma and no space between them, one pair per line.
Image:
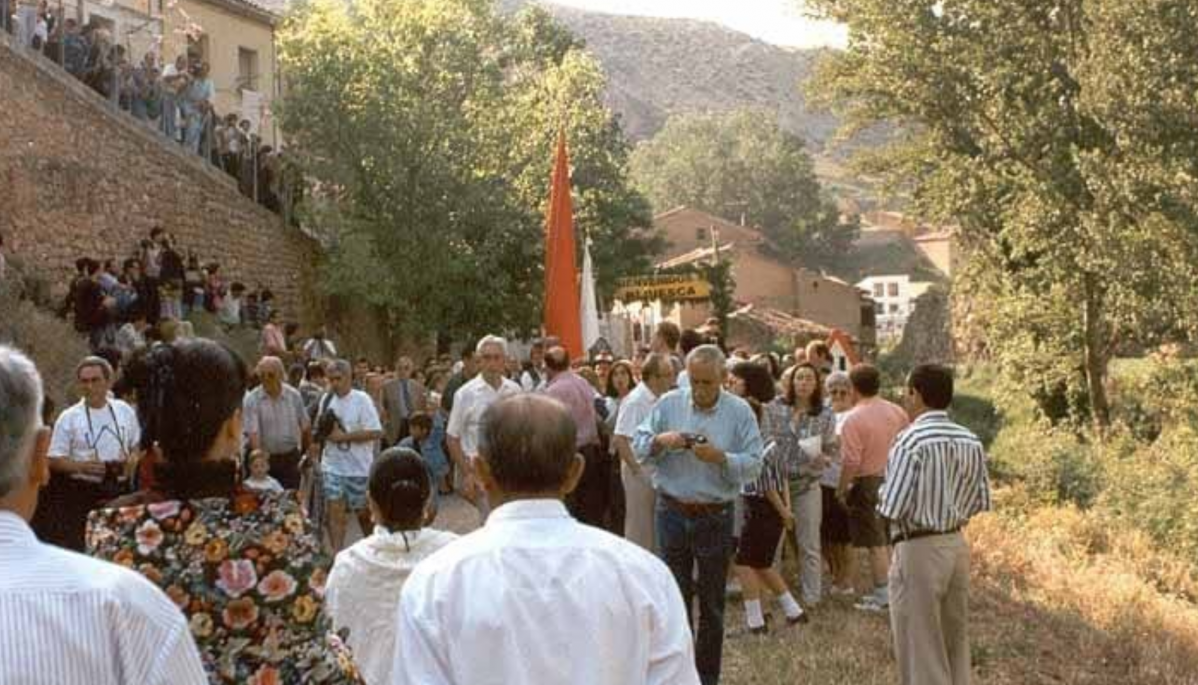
870,604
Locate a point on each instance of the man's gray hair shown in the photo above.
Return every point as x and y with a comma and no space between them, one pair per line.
20,416
340,366
838,378
98,362
707,354
491,340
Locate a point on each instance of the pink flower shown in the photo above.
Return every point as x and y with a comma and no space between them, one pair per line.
237,576
163,510
276,585
240,613
149,537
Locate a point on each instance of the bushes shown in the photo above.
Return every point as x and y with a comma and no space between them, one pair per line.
51,342
1053,466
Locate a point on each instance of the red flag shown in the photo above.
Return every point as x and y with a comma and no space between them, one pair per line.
561,277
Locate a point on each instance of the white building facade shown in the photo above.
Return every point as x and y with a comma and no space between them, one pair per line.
894,301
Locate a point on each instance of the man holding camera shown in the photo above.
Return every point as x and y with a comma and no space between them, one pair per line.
348,426
703,444
93,451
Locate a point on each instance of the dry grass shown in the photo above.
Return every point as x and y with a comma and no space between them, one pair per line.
1057,598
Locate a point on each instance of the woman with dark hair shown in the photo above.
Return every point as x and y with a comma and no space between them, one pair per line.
367,578
243,566
764,511
805,430
621,379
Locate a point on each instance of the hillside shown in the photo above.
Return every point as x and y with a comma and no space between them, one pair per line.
659,67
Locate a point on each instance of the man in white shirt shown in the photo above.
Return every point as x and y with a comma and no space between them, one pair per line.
319,347
67,619
93,452
349,448
534,596
469,403
640,500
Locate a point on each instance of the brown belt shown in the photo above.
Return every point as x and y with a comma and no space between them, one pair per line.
915,535
693,509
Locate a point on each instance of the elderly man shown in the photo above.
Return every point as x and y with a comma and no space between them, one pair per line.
657,377
402,397
704,445
936,481
93,452
592,499
348,427
276,422
465,420
65,618
532,596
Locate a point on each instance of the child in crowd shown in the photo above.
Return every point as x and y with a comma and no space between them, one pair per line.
363,589
260,479
426,434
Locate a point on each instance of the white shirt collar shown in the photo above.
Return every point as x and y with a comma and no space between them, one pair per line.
524,509
15,530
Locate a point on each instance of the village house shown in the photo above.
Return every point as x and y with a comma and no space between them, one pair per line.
772,293
894,301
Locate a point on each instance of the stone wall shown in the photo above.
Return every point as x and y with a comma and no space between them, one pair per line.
77,179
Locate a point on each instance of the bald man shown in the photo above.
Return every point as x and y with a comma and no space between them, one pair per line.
277,423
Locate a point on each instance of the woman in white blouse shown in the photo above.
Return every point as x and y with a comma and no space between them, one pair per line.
364,586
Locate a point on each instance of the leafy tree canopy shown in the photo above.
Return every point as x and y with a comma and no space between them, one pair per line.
743,163
1060,136
427,130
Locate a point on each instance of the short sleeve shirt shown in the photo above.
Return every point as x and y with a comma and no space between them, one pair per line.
86,434
357,413
469,404
634,410
278,421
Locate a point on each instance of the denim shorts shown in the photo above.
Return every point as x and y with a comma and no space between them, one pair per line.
348,489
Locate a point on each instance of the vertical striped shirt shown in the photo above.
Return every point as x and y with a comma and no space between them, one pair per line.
773,473
936,477
67,619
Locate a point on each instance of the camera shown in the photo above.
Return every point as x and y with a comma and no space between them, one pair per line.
325,423
693,439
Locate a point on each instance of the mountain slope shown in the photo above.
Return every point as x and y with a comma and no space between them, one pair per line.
659,67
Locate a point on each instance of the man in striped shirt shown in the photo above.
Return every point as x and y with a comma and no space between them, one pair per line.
67,619
935,482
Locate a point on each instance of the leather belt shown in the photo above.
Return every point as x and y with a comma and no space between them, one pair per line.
693,509
907,537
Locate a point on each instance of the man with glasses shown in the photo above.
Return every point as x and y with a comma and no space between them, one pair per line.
469,404
277,422
348,425
93,452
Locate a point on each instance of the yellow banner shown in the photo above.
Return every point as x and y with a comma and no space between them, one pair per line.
668,288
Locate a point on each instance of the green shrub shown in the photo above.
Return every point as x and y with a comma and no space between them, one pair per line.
1053,465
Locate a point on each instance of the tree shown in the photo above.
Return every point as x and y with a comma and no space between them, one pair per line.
1059,135
426,129
744,163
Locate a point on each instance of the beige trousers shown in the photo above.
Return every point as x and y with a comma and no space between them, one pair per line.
640,501
929,610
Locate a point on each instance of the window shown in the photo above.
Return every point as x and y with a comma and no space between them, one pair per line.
247,69
892,289
701,234
894,309
879,289
879,308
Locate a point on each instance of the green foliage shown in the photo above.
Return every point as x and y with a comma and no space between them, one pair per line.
1052,464
1059,136
743,162
427,129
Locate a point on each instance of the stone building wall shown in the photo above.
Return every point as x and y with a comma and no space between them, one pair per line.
77,179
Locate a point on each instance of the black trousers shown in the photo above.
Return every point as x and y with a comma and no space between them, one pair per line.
62,509
284,467
591,501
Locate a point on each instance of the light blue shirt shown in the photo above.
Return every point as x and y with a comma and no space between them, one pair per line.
729,426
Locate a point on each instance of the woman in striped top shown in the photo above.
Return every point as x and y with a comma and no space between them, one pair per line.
766,513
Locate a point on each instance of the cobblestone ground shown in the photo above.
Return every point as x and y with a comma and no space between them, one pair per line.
454,514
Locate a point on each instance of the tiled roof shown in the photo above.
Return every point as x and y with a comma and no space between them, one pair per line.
781,322
697,255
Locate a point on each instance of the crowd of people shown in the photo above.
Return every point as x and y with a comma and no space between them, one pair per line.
175,98
121,305
619,498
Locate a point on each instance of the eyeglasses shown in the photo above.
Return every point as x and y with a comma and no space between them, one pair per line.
838,391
